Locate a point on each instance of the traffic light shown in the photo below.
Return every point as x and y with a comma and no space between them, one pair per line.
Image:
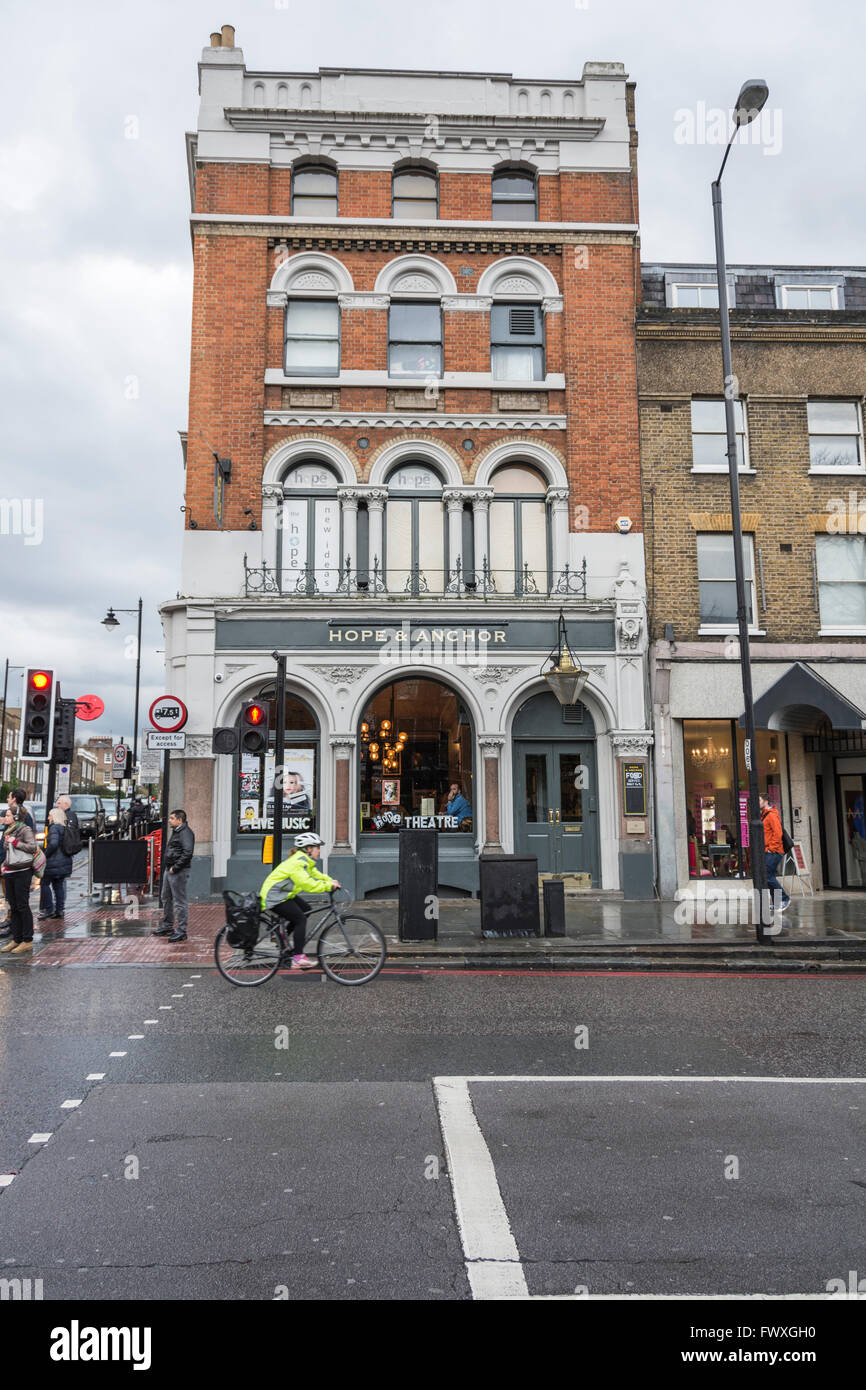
64,730
37,716
255,718
225,740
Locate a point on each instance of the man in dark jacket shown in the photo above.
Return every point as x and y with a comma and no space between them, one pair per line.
176,862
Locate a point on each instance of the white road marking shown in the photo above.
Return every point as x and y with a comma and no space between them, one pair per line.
150,1020
177,996
133,1037
69,1104
39,1138
493,1263
195,977
187,986
6,1178
166,1006
118,1054
95,1076
492,1258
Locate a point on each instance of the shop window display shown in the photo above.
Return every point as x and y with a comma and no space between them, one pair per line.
415,750
716,780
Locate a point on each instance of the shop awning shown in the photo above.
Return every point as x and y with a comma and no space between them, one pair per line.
802,702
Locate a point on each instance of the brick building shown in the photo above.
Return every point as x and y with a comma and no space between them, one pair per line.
798,339
19,772
413,338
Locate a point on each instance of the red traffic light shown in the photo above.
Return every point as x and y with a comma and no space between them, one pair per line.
254,714
40,680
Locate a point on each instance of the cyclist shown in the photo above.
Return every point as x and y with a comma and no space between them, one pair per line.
297,874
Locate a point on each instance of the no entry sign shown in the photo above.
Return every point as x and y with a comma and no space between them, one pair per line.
168,714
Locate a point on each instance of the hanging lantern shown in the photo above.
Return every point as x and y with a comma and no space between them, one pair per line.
565,675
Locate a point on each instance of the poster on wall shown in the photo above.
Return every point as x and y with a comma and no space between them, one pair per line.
249,815
744,818
390,791
251,772
299,772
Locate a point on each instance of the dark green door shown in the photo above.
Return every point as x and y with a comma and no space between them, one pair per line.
556,806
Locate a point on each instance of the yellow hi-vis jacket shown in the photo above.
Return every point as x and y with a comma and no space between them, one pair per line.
297,874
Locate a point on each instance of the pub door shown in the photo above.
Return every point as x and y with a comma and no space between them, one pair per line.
556,806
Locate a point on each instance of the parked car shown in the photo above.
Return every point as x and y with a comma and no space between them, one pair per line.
111,813
37,811
91,815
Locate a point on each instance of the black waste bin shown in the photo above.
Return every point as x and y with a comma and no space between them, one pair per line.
509,895
418,907
553,892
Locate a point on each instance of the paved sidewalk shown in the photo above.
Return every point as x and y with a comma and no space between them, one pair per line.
601,931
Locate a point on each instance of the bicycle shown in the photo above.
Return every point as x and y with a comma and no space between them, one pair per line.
252,945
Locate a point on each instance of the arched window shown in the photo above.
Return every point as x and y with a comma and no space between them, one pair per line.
517,342
414,531
299,765
314,191
415,339
308,539
514,196
312,337
519,546
414,193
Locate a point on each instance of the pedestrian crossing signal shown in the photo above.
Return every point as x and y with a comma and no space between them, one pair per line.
255,719
37,717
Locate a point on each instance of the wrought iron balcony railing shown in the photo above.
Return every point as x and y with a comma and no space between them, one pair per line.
484,582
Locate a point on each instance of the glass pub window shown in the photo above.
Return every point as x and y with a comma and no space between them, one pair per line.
415,340
709,436
312,337
517,342
514,197
414,193
717,582
314,192
834,434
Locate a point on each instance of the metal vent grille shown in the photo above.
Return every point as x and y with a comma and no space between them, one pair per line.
521,320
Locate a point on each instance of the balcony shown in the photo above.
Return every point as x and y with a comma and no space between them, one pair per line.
484,583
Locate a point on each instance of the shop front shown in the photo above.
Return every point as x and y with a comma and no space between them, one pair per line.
810,755
448,728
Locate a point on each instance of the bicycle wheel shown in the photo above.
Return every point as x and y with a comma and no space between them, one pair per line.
352,950
241,967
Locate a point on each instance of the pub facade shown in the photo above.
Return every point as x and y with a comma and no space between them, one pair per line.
412,449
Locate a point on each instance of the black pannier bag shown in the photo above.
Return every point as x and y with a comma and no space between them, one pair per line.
243,916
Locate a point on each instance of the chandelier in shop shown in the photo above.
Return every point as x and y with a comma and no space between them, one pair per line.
709,754
382,745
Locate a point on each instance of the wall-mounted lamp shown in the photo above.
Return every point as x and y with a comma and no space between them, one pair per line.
193,525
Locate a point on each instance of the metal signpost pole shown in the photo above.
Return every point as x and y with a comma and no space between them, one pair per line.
279,758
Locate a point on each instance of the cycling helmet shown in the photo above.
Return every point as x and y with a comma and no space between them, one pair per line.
308,838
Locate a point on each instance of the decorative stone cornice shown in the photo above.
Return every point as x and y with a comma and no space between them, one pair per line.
339,675
497,675
272,492
467,303
558,496
358,420
552,304
491,745
632,745
198,746
358,299
343,744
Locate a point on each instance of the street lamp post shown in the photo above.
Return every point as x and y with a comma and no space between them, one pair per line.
110,622
750,101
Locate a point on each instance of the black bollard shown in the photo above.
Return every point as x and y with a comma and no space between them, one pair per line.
553,892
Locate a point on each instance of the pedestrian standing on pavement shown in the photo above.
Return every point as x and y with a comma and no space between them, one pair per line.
19,851
64,804
773,851
178,857
58,867
18,798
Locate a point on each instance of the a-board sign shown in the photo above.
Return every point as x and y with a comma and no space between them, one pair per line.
634,789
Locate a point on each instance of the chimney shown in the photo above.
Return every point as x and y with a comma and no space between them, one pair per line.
228,36
216,39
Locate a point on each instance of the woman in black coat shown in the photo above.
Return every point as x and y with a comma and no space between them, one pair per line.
58,866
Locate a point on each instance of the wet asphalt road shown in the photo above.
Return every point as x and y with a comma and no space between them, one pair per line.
287,1139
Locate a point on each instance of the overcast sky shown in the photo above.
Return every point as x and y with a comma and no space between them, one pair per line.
94,337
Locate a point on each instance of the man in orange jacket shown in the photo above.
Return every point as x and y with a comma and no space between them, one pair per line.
773,850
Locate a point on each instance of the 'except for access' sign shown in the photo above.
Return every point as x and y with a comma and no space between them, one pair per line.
168,714
160,740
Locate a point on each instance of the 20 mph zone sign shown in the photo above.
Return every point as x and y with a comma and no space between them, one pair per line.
168,714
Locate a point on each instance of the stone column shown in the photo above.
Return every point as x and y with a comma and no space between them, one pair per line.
376,499
272,515
480,519
453,499
343,746
491,748
349,513
557,497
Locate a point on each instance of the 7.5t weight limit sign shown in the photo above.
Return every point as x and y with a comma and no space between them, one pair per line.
168,714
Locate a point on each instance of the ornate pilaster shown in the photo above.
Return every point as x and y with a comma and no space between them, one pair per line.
557,498
491,746
454,497
272,502
376,497
343,746
348,497
481,499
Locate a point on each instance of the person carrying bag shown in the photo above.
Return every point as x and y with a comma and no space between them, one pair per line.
20,852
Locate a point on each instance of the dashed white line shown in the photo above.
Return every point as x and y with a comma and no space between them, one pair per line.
69,1104
177,996
492,1258
96,1075
6,1178
134,1037
119,1054
165,1006
39,1138
150,1020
